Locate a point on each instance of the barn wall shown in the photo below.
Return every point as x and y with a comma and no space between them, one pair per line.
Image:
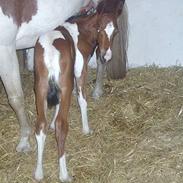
155,32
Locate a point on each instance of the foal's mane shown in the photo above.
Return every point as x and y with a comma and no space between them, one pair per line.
87,22
110,6
80,18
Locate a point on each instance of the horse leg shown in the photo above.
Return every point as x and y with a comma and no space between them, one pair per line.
10,76
61,125
98,91
41,104
52,125
30,59
80,84
20,55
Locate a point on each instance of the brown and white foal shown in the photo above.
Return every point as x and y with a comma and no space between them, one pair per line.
54,78
60,56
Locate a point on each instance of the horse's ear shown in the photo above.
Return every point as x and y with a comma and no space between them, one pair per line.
120,7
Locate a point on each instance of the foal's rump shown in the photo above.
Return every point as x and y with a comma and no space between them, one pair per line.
116,68
58,60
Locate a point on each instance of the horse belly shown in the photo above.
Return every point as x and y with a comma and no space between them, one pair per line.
50,14
8,30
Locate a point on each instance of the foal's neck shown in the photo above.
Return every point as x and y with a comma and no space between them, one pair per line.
87,26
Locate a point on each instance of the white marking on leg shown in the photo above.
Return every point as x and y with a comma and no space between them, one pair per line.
84,115
63,174
40,147
52,126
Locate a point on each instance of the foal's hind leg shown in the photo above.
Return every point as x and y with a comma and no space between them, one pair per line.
61,125
10,75
98,91
52,125
41,105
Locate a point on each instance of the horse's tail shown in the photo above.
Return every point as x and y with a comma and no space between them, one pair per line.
53,93
116,68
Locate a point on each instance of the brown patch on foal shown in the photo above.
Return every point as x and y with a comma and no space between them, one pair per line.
20,10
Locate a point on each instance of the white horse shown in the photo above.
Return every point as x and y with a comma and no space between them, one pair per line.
21,23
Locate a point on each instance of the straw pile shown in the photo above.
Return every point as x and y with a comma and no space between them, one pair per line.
138,133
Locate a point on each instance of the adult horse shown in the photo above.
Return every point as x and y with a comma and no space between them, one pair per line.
21,23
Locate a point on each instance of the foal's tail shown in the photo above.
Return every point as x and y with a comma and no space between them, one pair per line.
53,93
116,68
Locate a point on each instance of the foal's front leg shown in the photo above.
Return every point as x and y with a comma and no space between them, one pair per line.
98,91
81,85
30,59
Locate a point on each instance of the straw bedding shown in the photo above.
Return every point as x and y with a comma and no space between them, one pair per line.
137,138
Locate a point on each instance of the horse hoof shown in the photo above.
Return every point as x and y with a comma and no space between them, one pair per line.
88,132
74,92
38,175
66,179
23,145
97,94
52,126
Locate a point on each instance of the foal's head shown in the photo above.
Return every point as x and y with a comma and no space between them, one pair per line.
108,12
106,32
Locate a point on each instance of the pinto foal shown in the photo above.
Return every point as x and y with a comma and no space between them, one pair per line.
60,56
54,73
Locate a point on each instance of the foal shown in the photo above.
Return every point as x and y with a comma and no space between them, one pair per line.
60,56
95,32
54,78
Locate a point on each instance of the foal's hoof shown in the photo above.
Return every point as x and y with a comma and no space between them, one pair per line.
74,92
97,94
52,126
88,132
38,175
66,179
23,145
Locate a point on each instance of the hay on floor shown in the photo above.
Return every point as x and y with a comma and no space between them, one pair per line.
138,133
